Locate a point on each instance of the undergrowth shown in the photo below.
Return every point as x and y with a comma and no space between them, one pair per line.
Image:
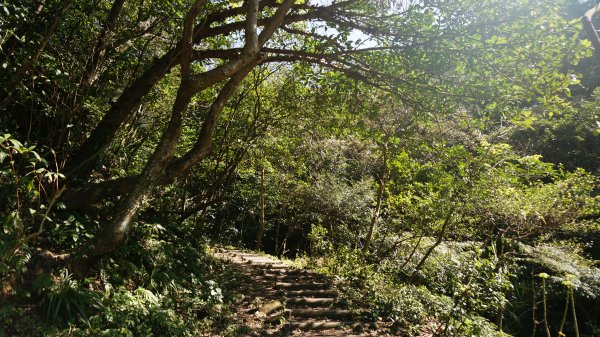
462,290
161,286
379,294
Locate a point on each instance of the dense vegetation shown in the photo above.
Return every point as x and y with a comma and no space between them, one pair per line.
439,158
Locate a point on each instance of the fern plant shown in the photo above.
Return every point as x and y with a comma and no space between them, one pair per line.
67,300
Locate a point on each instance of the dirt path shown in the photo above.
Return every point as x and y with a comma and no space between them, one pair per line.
279,300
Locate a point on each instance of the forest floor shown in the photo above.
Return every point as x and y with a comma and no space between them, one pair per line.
277,299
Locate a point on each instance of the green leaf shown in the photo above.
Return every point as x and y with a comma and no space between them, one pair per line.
30,185
16,144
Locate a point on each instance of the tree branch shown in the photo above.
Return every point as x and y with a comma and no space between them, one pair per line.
186,39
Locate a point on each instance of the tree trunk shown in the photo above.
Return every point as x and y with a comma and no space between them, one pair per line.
412,252
82,197
113,235
99,53
590,30
105,132
184,196
435,244
380,193
261,227
115,232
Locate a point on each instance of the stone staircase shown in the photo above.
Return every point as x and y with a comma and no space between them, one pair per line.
304,300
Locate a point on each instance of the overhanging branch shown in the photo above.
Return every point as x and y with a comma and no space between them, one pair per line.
590,30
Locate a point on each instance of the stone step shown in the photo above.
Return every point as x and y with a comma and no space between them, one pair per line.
302,285
310,301
345,334
261,259
319,313
307,297
261,278
266,266
273,280
292,271
316,325
299,277
334,333
243,254
235,253
308,293
270,266
255,258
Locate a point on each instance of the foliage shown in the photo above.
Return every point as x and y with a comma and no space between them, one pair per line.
23,209
164,289
570,138
456,132
414,309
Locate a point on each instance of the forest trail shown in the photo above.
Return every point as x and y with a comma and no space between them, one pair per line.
280,300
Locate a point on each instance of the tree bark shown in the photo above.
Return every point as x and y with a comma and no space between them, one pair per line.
380,193
82,197
95,63
412,252
590,30
114,233
261,227
104,133
203,145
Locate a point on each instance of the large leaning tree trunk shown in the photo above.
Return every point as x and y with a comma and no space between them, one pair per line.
331,54
114,233
81,163
80,197
104,133
217,23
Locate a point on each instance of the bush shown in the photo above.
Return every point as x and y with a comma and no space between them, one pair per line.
437,305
